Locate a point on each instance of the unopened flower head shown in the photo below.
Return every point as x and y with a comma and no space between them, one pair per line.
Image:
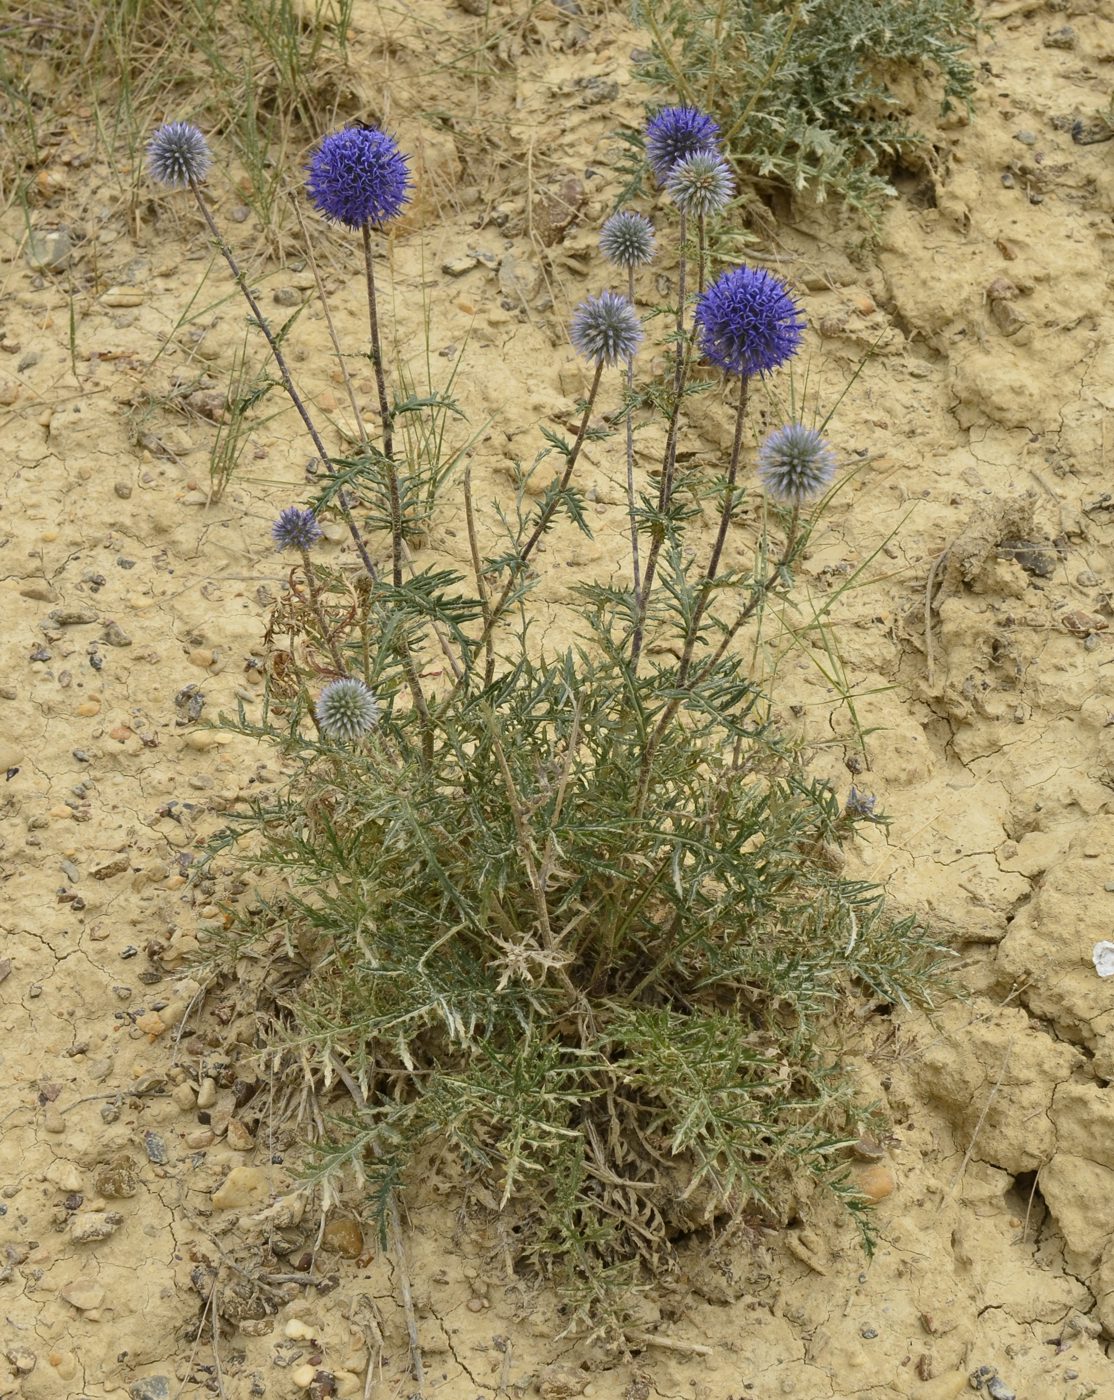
346,710
677,132
606,329
177,156
700,184
296,529
795,464
749,322
359,176
627,239
860,804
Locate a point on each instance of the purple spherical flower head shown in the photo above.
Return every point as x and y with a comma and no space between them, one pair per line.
177,155
749,322
860,804
700,184
359,176
627,239
795,464
346,710
677,132
296,529
606,329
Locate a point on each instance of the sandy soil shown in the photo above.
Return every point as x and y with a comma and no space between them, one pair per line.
144,1178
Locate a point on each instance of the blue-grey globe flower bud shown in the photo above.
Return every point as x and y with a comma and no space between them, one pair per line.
177,156
795,464
346,710
606,329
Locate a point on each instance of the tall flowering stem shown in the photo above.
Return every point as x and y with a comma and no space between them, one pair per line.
179,158
547,511
385,415
284,372
605,330
630,464
748,323
627,239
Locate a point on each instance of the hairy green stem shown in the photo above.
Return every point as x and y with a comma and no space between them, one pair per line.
630,466
385,415
547,512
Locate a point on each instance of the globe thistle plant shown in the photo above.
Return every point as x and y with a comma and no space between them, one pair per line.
701,184
178,156
749,322
359,176
677,132
627,239
606,329
296,529
795,464
346,710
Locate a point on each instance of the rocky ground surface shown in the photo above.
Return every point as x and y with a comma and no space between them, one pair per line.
154,1240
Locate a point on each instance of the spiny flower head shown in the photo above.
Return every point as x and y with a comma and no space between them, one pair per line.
627,239
606,329
296,529
346,710
795,464
700,184
860,804
677,132
749,322
359,176
178,156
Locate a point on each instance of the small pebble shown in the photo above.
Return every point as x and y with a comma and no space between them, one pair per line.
53,1122
243,1186
343,1236
238,1137
123,489
48,251
304,1376
83,1294
88,1226
156,1149
1027,138
1062,38
207,1093
150,1388
184,1098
